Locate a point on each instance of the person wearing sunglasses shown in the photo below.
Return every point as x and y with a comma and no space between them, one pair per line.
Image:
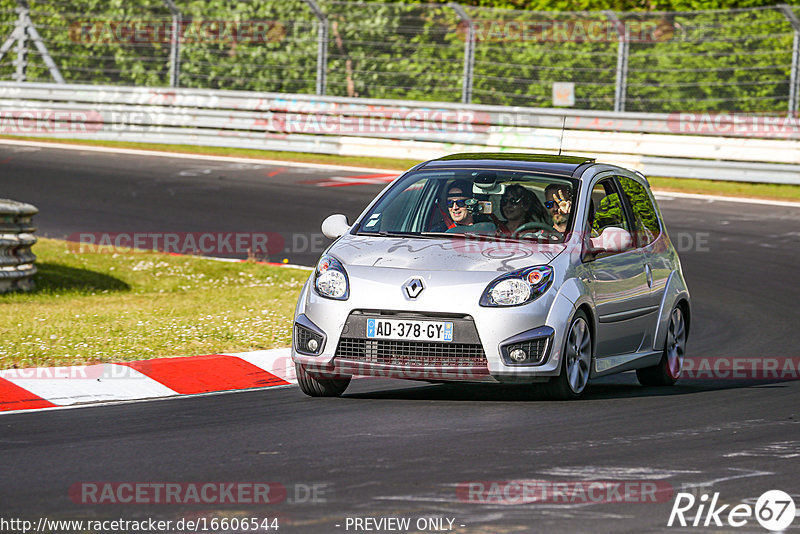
456,202
558,201
462,214
521,206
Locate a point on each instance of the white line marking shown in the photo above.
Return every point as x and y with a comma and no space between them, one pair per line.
104,382
183,155
134,401
110,384
661,195
747,474
626,473
331,166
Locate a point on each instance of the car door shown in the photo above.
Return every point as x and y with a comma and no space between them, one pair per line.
617,279
651,240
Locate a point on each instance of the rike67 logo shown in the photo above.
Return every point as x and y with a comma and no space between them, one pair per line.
774,510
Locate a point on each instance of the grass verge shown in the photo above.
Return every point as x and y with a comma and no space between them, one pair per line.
715,187
106,307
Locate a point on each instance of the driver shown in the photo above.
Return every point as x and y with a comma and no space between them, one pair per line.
461,209
521,206
457,203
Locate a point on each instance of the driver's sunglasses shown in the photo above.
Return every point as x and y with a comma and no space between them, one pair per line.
460,203
550,204
509,200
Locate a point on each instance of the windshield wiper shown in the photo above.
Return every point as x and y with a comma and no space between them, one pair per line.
482,237
395,234
464,235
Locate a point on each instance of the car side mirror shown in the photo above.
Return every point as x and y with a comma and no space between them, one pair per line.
335,226
612,239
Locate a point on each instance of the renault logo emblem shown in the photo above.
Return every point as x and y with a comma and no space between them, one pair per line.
414,287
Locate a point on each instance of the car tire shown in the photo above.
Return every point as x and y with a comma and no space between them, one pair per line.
668,370
576,361
317,385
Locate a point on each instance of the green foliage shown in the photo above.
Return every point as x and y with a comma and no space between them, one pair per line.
645,217
703,61
615,5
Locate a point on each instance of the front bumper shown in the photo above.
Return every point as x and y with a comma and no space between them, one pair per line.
489,328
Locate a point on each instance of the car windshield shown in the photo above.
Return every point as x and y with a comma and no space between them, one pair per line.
490,204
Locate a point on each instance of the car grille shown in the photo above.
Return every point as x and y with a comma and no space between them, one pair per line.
411,353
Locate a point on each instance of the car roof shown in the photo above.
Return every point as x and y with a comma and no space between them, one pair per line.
547,163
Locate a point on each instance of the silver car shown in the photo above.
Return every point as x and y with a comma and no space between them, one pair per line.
505,268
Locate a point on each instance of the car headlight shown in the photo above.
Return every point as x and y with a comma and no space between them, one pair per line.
518,287
330,279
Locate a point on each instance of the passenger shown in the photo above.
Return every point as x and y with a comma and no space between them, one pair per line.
521,206
559,201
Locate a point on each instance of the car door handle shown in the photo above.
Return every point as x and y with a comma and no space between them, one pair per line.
649,273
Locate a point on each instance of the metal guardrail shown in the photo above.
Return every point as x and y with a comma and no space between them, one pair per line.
744,59
726,147
16,239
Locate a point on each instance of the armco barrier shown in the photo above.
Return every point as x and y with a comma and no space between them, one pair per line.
721,147
16,239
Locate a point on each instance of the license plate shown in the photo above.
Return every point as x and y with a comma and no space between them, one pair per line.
416,330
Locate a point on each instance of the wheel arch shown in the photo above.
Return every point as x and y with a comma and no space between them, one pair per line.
686,309
587,310
675,294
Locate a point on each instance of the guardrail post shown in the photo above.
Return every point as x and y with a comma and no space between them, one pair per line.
16,239
794,77
469,53
322,47
174,44
31,31
10,41
623,43
21,63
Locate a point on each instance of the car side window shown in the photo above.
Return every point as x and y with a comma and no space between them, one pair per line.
606,209
403,211
644,213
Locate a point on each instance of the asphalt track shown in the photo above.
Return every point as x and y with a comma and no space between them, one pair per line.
402,449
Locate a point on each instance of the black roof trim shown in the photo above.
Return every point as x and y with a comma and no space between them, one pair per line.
518,156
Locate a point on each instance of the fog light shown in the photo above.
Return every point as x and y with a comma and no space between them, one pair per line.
518,355
306,340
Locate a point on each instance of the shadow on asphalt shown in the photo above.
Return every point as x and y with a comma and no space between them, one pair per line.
602,389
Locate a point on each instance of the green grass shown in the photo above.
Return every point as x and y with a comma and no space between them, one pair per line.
106,307
736,189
